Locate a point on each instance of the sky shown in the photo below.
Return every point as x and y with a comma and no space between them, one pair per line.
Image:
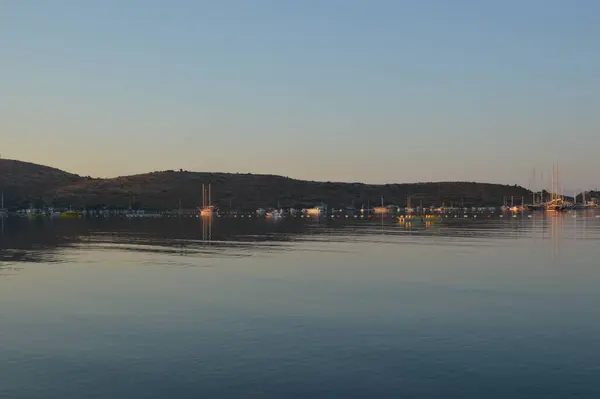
335,90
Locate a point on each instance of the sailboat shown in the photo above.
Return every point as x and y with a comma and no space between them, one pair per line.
408,211
207,209
537,203
410,216
517,208
557,203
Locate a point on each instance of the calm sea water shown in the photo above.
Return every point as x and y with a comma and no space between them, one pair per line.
463,308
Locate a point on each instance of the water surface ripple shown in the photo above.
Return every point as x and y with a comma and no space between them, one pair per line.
470,307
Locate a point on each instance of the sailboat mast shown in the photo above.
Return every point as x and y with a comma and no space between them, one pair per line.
553,183
560,188
542,199
203,196
209,199
554,189
533,186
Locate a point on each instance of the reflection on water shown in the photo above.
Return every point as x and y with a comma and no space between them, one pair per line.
41,240
207,223
224,308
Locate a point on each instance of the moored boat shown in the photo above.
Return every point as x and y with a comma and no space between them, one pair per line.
557,205
70,214
207,209
418,218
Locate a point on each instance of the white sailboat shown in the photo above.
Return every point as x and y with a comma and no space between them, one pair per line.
207,209
557,203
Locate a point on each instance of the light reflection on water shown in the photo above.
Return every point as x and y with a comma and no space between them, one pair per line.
482,308
38,240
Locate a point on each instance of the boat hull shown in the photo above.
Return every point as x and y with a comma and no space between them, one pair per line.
70,215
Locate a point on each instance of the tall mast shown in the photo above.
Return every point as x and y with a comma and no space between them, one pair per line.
560,188
533,186
203,196
209,200
541,191
553,183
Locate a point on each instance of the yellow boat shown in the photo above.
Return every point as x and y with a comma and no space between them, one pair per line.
70,215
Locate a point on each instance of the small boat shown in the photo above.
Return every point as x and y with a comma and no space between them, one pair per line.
70,214
276,214
316,211
208,211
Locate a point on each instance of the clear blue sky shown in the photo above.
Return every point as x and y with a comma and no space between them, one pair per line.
376,91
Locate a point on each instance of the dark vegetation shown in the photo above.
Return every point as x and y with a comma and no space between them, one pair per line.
25,184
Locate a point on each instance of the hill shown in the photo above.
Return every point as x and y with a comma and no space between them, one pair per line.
25,183
588,196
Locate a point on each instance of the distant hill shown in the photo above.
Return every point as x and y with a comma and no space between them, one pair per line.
588,196
25,183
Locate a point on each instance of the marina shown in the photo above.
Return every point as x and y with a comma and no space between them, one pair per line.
546,201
